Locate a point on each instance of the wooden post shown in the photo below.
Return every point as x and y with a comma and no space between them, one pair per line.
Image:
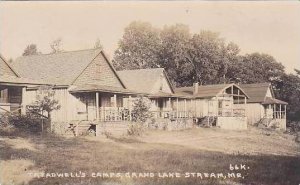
185,108
238,96
176,107
129,107
274,113
96,130
115,100
245,100
284,111
280,116
23,106
97,106
115,105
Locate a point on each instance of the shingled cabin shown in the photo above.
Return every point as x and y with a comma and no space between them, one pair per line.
262,106
217,105
12,87
154,82
85,83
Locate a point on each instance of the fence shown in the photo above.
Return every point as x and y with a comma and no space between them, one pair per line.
231,112
114,114
172,114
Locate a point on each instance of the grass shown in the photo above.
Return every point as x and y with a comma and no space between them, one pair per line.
271,159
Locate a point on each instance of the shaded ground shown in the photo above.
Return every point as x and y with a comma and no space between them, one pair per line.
200,150
251,142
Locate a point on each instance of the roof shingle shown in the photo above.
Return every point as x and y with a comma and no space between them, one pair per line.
59,68
141,80
257,92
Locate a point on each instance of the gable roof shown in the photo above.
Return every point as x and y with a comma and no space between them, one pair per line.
206,90
14,79
257,91
143,80
9,67
59,68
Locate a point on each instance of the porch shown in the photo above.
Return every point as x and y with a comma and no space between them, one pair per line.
10,98
274,113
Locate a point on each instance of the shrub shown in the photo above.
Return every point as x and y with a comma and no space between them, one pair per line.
27,123
140,112
45,100
135,129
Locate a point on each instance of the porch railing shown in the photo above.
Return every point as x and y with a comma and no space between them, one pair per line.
172,114
279,114
231,112
114,114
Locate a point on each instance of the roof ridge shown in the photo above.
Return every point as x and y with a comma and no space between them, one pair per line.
141,69
61,52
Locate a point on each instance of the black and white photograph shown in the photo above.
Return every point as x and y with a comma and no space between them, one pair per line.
149,92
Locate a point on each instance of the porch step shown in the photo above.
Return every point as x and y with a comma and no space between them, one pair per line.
81,127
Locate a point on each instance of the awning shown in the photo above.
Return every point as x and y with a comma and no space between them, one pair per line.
167,95
101,88
270,100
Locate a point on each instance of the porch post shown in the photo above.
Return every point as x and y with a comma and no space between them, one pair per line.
23,108
284,111
115,100
274,113
97,106
185,108
176,107
115,105
245,100
129,107
280,115
238,96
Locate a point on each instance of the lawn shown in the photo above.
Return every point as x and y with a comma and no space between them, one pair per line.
155,158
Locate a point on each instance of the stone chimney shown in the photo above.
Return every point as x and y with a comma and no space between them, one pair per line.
195,87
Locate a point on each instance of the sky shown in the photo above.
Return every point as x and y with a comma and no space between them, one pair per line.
265,27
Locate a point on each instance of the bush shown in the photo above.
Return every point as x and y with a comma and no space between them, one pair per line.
140,112
135,129
27,123
293,126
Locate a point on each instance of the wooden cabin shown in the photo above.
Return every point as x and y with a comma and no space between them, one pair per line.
155,84
11,88
85,83
263,107
220,102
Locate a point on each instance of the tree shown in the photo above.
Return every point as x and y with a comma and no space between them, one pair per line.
98,44
31,49
186,57
56,46
211,57
45,100
138,48
256,68
173,53
288,89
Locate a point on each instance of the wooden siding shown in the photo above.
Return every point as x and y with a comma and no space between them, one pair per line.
5,69
254,111
100,73
66,111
